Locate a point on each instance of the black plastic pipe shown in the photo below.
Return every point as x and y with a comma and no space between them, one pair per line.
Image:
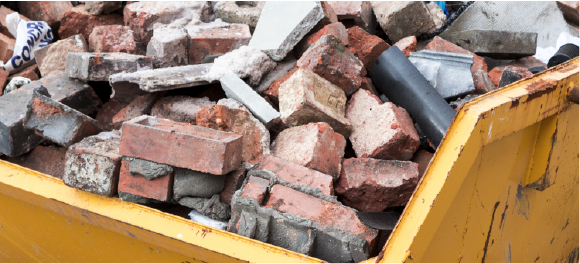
396,77
565,53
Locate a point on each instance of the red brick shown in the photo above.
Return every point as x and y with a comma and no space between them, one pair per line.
482,82
46,159
107,112
51,12
422,158
233,182
367,84
4,11
3,80
332,61
513,72
365,46
112,38
326,215
217,41
78,21
6,48
179,108
372,185
495,74
239,121
407,45
336,29
314,146
443,45
159,188
256,188
53,57
140,106
297,175
525,62
181,145
359,12
380,131
329,16
272,91
306,97
30,72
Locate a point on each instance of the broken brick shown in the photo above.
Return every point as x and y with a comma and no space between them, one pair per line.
273,90
232,183
45,159
256,188
372,185
297,175
403,18
29,72
6,48
179,108
314,146
359,13
51,12
380,130
407,45
93,165
512,74
140,106
336,29
159,188
482,82
332,61
328,18
367,84
107,112
78,21
181,145
440,44
102,7
216,41
53,57
422,158
365,46
256,138
247,12
168,47
112,38
3,80
306,97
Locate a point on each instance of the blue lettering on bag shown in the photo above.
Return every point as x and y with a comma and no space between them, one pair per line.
14,61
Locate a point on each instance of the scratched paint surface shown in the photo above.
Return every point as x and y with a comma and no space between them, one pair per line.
503,185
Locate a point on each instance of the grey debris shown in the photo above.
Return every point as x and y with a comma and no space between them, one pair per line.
196,184
384,98
202,219
283,24
496,44
400,19
245,62
280,70
449,73
211,208
133,198
465,99
99,66
102,7
246,12
149,169
237,89
168,47
161,79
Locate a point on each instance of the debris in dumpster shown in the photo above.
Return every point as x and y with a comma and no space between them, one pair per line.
306,126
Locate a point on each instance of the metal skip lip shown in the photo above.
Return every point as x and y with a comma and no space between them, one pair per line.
396,77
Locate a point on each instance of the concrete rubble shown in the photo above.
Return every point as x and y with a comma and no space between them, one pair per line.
264,119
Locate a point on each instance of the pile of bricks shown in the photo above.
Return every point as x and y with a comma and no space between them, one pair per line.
261,116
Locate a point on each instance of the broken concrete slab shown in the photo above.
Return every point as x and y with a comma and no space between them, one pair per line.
244,62
196,184
181,145
449,73
372,185
99,66
365,46
314,146
380,130
159,79
211,208
283,24
93,164
496,44
247,12
403,18
237,89
306,97
57,122
359,12
53,57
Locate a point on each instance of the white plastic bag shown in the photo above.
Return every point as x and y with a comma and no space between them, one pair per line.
30,36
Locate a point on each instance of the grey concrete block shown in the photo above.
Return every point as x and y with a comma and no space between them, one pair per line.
283,24
449,73
237,89
196,184
160,79
57,122
496,44
400,19
99,66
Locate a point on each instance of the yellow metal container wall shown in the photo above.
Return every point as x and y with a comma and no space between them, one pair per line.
503,186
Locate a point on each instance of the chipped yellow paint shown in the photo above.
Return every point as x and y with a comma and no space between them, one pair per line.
503,185
43,220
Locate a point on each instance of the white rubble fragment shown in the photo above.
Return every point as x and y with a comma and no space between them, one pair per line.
283,24
244,62
204,220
